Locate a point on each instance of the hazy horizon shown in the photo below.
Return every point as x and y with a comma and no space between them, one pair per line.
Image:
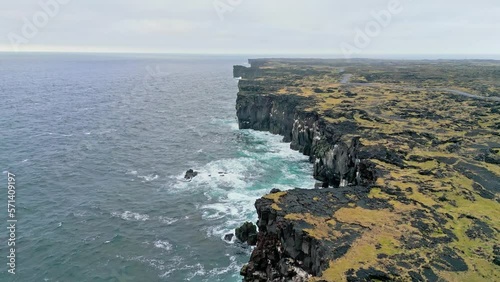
495,57
287,28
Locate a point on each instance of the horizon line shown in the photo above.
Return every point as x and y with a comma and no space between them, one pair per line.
281,55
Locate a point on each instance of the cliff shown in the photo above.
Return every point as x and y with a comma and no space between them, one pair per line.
410,173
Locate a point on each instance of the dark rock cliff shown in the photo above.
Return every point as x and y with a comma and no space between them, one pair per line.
410,179
284,251
335,161
295,246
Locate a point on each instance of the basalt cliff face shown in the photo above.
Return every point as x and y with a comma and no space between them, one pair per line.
390,209
336,161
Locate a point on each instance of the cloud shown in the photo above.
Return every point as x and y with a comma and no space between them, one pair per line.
259,26
156,26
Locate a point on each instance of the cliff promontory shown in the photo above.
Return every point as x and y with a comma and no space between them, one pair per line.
407,155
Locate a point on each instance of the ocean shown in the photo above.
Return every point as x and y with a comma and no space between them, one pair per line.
99,144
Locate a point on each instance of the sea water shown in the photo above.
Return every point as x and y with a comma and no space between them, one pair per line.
99,144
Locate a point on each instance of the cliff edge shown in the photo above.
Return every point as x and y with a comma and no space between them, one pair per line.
410,170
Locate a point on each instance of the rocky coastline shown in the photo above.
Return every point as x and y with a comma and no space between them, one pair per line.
363,225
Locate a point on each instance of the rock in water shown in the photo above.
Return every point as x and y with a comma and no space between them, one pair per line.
247,233
229,237
190,174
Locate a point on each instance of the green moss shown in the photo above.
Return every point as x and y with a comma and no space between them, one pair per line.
321,227
403,111
275,196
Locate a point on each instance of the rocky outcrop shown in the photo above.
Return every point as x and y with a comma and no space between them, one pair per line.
273,113
293,245
247,233
190,174
229,237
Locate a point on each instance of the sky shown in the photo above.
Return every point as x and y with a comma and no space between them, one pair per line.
350,28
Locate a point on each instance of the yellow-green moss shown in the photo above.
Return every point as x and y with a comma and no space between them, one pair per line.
409,116
275,196
321,227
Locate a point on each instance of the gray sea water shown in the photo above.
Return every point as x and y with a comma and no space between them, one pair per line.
99,145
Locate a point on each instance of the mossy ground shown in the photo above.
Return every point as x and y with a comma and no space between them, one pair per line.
441,212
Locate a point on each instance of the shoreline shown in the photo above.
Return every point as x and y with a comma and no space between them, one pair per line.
354,229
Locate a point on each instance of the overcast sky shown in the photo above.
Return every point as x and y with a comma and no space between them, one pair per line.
253,26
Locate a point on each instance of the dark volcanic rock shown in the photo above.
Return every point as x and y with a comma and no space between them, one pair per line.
370,274
496,260
275,190
229,237
190,174
399,183
284,249
247,233
496,255
335,162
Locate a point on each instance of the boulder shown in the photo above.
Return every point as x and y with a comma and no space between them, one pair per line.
229,237
247,233
190,174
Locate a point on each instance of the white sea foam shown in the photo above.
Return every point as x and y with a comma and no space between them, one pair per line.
167,220
234,126
145,178
163,245
219,210
167,273
234,206
232,267
155,263
226,173
196,270
59,134
199,270
128,215
174,264
134,216
220,230
148,178
232,185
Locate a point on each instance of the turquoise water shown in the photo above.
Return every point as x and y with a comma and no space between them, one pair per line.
99,145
